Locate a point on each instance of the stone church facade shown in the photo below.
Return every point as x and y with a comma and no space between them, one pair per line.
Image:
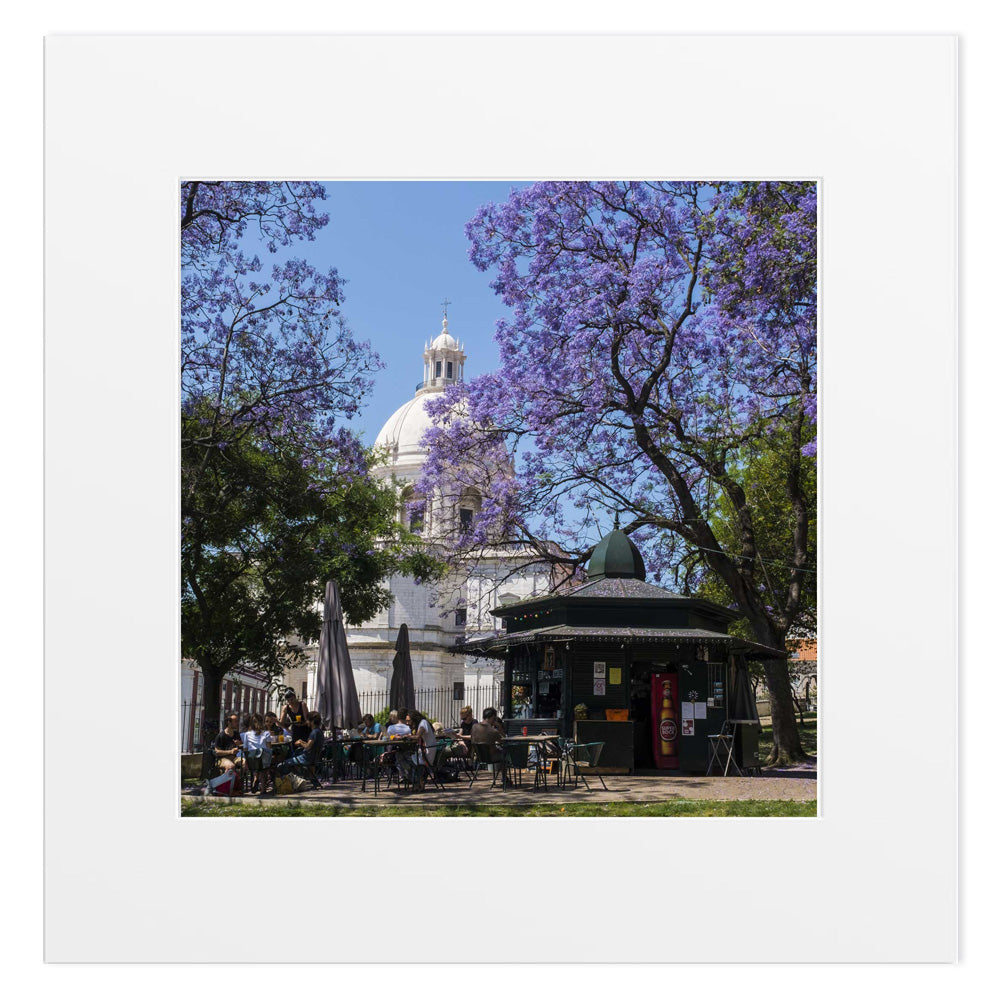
436,617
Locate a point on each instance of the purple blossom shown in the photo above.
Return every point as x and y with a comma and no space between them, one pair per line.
656,330
267,354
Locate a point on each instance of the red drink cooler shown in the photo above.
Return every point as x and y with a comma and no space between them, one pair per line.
665,713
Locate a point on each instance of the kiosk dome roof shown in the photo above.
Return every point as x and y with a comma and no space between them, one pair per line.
616,556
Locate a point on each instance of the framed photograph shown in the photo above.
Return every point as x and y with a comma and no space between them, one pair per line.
879,144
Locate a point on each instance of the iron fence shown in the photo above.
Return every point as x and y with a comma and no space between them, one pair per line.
193,719
441,704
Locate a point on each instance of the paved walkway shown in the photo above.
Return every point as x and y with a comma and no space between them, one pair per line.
798,784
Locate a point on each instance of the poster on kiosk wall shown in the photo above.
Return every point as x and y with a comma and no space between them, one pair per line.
666,720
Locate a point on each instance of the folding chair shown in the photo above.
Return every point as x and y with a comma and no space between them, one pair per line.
721,750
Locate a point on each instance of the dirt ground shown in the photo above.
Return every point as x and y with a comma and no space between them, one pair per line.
797,784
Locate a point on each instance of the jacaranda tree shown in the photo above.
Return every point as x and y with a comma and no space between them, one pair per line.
275,489
265,350
657,332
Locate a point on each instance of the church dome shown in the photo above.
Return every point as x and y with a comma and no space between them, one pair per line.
444,362
402,432
616,556
444,341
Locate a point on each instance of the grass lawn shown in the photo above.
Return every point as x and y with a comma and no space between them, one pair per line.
807,733
677,807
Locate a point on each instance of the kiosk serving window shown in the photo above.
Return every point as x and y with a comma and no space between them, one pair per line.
537,684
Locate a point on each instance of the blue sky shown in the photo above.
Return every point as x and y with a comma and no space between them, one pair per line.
402,249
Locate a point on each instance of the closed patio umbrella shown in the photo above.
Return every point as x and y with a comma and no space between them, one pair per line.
742,705
336,693
401,693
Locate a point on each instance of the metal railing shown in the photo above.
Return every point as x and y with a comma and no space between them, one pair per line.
191,730
438,704
438,380
441,704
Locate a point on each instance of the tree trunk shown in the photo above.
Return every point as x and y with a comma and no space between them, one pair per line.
211,711
787,747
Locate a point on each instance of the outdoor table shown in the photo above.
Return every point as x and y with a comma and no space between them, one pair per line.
281,751
348,745
538,740
406,744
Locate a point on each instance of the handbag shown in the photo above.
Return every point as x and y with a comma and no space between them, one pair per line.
224,784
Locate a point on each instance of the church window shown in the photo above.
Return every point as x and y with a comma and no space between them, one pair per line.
450,369
464,519
417,520
460,617
413,510
437,369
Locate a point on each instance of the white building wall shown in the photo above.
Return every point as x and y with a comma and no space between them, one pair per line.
429,611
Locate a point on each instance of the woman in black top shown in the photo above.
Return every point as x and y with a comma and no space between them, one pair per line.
294,712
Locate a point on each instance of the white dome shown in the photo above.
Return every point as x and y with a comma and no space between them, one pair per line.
445,341
403,430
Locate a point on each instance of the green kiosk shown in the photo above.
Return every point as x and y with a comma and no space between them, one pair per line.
651,674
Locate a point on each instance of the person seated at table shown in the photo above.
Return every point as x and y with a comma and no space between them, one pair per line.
257,745
488,735
228,744
490,730
467,719
271,725
309,749
294,712
396,727
393,728
369,728
449,749
417,764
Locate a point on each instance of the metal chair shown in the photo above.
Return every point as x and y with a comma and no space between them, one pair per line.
330,765
486,755
720,747
255,768
584,757
446,759
548,761
515,759
430,771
